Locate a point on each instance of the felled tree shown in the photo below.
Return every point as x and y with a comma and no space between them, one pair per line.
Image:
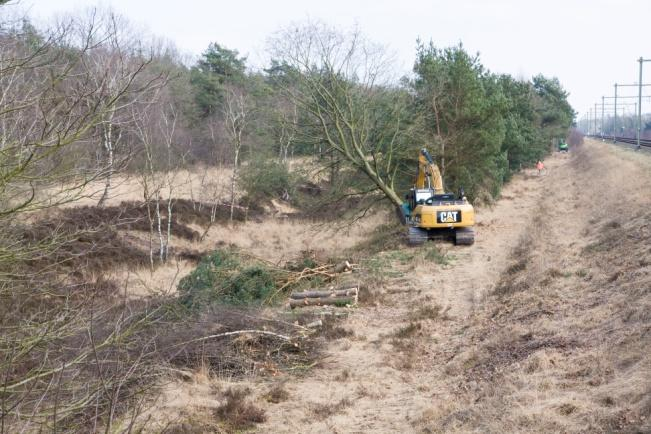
342,83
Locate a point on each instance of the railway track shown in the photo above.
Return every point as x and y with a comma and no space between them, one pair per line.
645,143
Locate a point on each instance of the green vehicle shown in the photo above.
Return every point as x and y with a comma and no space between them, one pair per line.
563,147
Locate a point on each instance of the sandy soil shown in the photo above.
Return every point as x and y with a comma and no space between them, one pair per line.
202,184
385,390
277,240
515,333
543,325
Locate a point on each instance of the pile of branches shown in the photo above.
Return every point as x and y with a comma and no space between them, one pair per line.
238,341
100,367
228,276
292,278
96,355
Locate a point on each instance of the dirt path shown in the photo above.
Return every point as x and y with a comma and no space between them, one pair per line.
512,334
543,325
373,382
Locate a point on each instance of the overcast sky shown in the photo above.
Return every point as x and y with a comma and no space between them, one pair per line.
588,44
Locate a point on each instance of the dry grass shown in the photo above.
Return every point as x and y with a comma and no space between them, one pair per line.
387,236
331,330
408,331
277,394
370,296
281,240
429,312
276,239
343,376
142,282
407,343
238,413
514,277
93,239
203,184
562,347
326,410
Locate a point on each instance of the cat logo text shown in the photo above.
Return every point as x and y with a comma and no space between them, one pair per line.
448,216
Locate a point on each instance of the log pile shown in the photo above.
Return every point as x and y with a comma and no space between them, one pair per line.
335,296
285,278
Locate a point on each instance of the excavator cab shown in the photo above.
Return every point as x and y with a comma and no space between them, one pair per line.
430,212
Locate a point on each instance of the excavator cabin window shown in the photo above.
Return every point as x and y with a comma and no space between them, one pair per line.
425,197
443,197
422,195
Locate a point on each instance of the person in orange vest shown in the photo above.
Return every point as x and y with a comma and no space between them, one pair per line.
540,166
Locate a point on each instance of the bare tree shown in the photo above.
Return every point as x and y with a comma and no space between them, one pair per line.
155,124
52,367
236,109
343,84
286,127
117,64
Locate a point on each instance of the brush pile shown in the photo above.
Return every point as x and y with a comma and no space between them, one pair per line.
227,276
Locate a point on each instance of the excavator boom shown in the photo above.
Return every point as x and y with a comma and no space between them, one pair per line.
429,175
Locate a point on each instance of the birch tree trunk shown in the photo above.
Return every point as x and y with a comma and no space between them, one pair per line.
233,178
235,111
108,143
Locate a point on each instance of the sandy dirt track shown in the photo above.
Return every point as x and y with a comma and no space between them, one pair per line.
512,334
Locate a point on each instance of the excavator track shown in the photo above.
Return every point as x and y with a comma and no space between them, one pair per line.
464,236
416,236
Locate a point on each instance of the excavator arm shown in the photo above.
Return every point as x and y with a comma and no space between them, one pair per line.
429,175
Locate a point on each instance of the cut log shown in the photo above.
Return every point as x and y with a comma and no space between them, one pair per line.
349,292
332,288
343,286
337,301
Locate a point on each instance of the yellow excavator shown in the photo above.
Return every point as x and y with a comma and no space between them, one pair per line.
430,212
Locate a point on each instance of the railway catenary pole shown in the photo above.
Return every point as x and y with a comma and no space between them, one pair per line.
639,96
606,110
639,101
611,109
584,124
602,115
614,129
594,122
